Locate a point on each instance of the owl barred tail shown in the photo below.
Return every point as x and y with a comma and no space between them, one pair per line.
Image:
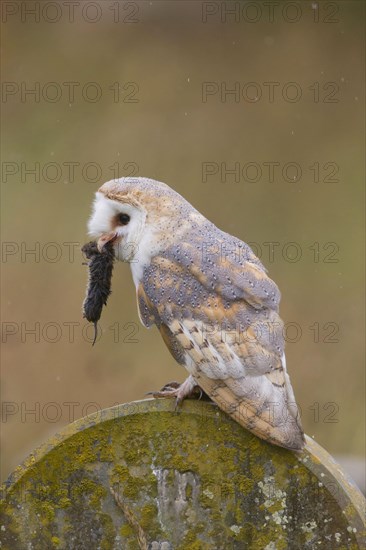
274,422
263,404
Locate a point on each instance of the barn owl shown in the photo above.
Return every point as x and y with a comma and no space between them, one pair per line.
210,298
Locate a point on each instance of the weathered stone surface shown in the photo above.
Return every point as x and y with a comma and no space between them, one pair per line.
141,475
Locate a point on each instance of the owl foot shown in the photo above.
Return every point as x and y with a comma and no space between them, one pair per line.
188,388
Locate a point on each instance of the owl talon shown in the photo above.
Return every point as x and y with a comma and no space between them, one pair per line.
171,386
169,390
179,391
178,402
164,392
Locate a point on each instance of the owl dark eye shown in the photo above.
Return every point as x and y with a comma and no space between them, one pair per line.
123,219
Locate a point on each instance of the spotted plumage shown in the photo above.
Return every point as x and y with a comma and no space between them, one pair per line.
211,299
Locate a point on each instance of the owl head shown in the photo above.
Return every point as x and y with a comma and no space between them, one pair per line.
140,216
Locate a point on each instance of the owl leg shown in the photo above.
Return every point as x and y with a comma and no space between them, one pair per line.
178,391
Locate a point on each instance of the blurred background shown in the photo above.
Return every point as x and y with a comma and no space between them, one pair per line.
255,114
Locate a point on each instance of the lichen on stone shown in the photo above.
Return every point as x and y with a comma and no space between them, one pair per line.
194,478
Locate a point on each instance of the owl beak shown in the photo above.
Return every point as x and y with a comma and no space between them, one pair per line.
106,238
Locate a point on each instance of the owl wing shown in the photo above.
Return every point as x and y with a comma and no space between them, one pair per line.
220,319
